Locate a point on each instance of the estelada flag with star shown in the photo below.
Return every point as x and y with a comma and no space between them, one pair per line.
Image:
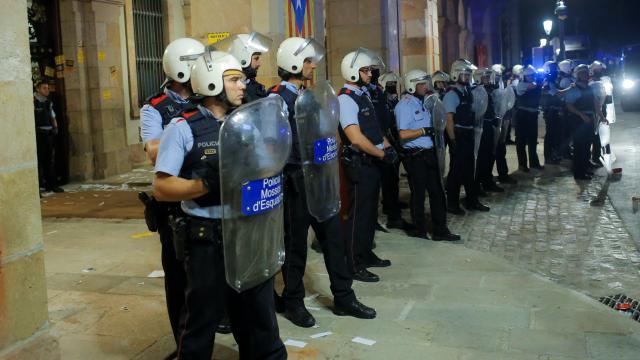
299,15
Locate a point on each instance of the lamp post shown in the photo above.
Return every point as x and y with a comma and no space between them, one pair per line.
547,25
562,14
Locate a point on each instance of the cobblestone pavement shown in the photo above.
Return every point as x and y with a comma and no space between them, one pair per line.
546,224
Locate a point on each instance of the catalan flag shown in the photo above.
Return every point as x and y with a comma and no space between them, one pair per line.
299,15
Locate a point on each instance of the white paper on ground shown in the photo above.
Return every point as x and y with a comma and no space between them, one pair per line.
361,340
295,343
313,308
156,274
322,334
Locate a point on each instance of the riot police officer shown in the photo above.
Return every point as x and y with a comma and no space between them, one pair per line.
581,106
486,158
552,105
596,72
441,82
460,120
46,131
416,133
187,170
248,49
500,155
297,59
364,147
155,115
528,93
391,204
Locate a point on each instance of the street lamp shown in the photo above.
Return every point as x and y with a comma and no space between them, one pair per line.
562,13
547,25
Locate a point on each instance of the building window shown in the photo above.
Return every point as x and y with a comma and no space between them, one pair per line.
148,21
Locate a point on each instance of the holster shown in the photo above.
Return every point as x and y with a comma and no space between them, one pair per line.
150,210
180,230
351,162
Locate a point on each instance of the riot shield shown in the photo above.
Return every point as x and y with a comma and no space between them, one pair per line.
252,154
600,96
480,103
506,119
499,97
610,108
434,105
317,118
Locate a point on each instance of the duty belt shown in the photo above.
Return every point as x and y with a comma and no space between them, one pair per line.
460,127
412,152
365,158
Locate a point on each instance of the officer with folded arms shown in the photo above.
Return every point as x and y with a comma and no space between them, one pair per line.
416,133
188,170
364,149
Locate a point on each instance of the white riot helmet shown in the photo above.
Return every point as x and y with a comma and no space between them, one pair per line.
355,60
440,76
498,69
596,67
529,71
566,66
295,50
178,58
460,67
243,46
208,70
517,70
387,78
415,77
484,73
579,69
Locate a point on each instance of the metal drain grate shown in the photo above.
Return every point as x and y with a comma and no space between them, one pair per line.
624,305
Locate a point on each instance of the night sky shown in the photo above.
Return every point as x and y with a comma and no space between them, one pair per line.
610,24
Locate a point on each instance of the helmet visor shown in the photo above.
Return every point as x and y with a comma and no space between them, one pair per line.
258,42
371,59
310,49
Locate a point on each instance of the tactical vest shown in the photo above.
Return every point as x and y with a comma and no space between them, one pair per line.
381,107
167,107
585,102
289,98
254,91
464,115
42,112
206,132
530,99
367,120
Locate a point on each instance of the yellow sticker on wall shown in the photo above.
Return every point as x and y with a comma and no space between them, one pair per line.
49,71
59,59
101,55
80,56
213,38
106,94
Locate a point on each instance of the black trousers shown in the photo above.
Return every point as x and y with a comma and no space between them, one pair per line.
297,221
363,184
175,279
45,143
390,178
486,155
582,139
424,174
596,150
252,312
527,137
462,168
553,134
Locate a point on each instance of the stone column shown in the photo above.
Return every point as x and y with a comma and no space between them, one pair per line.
23,294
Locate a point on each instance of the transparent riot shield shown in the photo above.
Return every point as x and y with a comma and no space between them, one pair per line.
317,118
480,104
434,105
499,98
600,96
506,119
610,108
252,154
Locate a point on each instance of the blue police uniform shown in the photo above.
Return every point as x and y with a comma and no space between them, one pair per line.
527,124
421,163
583,99
186,146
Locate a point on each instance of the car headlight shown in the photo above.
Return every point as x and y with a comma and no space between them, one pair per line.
628,83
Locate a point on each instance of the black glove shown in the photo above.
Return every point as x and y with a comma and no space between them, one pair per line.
55,131
452,146
390,156
428,131
211,176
